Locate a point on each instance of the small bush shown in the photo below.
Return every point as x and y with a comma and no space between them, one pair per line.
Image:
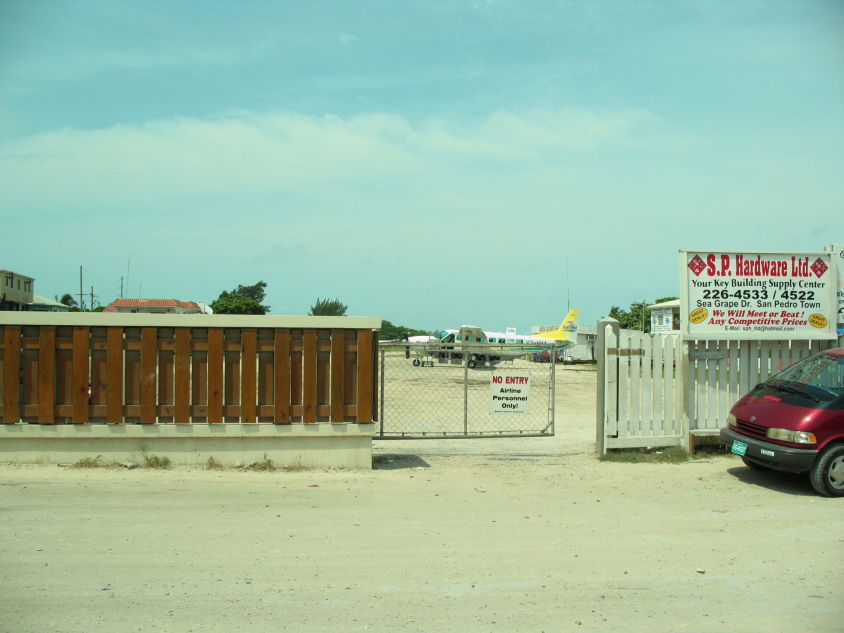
156,461
213,464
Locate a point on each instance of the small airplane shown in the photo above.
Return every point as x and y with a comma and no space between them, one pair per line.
482,347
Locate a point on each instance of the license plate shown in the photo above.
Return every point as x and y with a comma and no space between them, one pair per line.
739,448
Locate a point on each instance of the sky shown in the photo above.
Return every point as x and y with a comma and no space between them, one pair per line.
433,163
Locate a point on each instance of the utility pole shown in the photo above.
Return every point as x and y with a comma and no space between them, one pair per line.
81,295
92,297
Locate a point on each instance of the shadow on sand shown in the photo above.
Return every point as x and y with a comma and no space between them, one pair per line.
786,483
396,462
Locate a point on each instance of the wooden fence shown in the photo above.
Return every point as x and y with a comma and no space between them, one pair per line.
53,373
658,390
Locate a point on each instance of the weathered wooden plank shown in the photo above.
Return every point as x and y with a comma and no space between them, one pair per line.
199,375
265,381
678,388
149,357
231,379
29,379
215,375
11,374
81,378
182,359
248,369
659,388
611,426
723,394
114,375
281,370
647,384
309,375
712,406
366,376
338,363
46,374
635,362
323,370
626,424
735,368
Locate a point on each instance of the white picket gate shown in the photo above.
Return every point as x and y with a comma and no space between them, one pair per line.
661,391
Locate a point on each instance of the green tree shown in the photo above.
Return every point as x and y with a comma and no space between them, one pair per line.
256,291
242,300
637,317
68,300
390,332
328,307
234,303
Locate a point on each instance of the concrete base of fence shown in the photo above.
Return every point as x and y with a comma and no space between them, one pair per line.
287,445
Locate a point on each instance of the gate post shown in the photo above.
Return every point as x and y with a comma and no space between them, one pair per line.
601,353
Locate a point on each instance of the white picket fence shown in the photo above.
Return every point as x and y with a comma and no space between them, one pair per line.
661,391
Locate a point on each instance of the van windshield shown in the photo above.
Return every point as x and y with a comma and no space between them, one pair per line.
819,378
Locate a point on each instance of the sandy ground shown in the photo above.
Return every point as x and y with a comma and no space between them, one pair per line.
531,535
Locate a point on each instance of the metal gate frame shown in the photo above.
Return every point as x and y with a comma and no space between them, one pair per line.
384,433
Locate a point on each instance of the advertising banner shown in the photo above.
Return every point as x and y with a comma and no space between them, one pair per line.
838,258
744,295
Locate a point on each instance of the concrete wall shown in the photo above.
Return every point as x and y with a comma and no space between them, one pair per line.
289,445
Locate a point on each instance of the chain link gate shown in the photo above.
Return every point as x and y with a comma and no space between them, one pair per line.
449,395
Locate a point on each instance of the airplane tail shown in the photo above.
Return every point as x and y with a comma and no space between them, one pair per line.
568,328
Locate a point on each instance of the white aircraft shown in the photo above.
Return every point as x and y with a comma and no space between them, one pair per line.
482,347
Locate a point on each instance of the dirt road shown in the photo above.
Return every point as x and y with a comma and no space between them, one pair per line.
481,535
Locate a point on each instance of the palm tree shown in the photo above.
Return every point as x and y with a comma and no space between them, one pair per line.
328,307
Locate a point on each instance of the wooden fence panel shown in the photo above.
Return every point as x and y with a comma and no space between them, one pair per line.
366,375
215,375
646,382
46,374
148,365
611,384
114,379
283,381
81,378
338,364
181,376
248,380
152,374
231,374
309,376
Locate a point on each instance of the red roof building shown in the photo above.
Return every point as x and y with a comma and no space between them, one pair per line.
154,306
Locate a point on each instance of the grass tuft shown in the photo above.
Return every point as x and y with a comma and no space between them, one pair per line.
265,464
667,455
213,464
156,461
88,462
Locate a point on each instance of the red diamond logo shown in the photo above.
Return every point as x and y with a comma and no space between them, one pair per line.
697,265
819,267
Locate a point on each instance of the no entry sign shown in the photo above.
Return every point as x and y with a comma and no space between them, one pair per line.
510,392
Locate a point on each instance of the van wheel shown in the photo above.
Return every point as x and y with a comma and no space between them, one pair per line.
416,362
827,473
471,364
753,465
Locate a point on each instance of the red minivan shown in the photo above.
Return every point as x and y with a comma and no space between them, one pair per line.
794,421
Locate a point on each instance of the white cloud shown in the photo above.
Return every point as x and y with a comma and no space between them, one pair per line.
253,153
